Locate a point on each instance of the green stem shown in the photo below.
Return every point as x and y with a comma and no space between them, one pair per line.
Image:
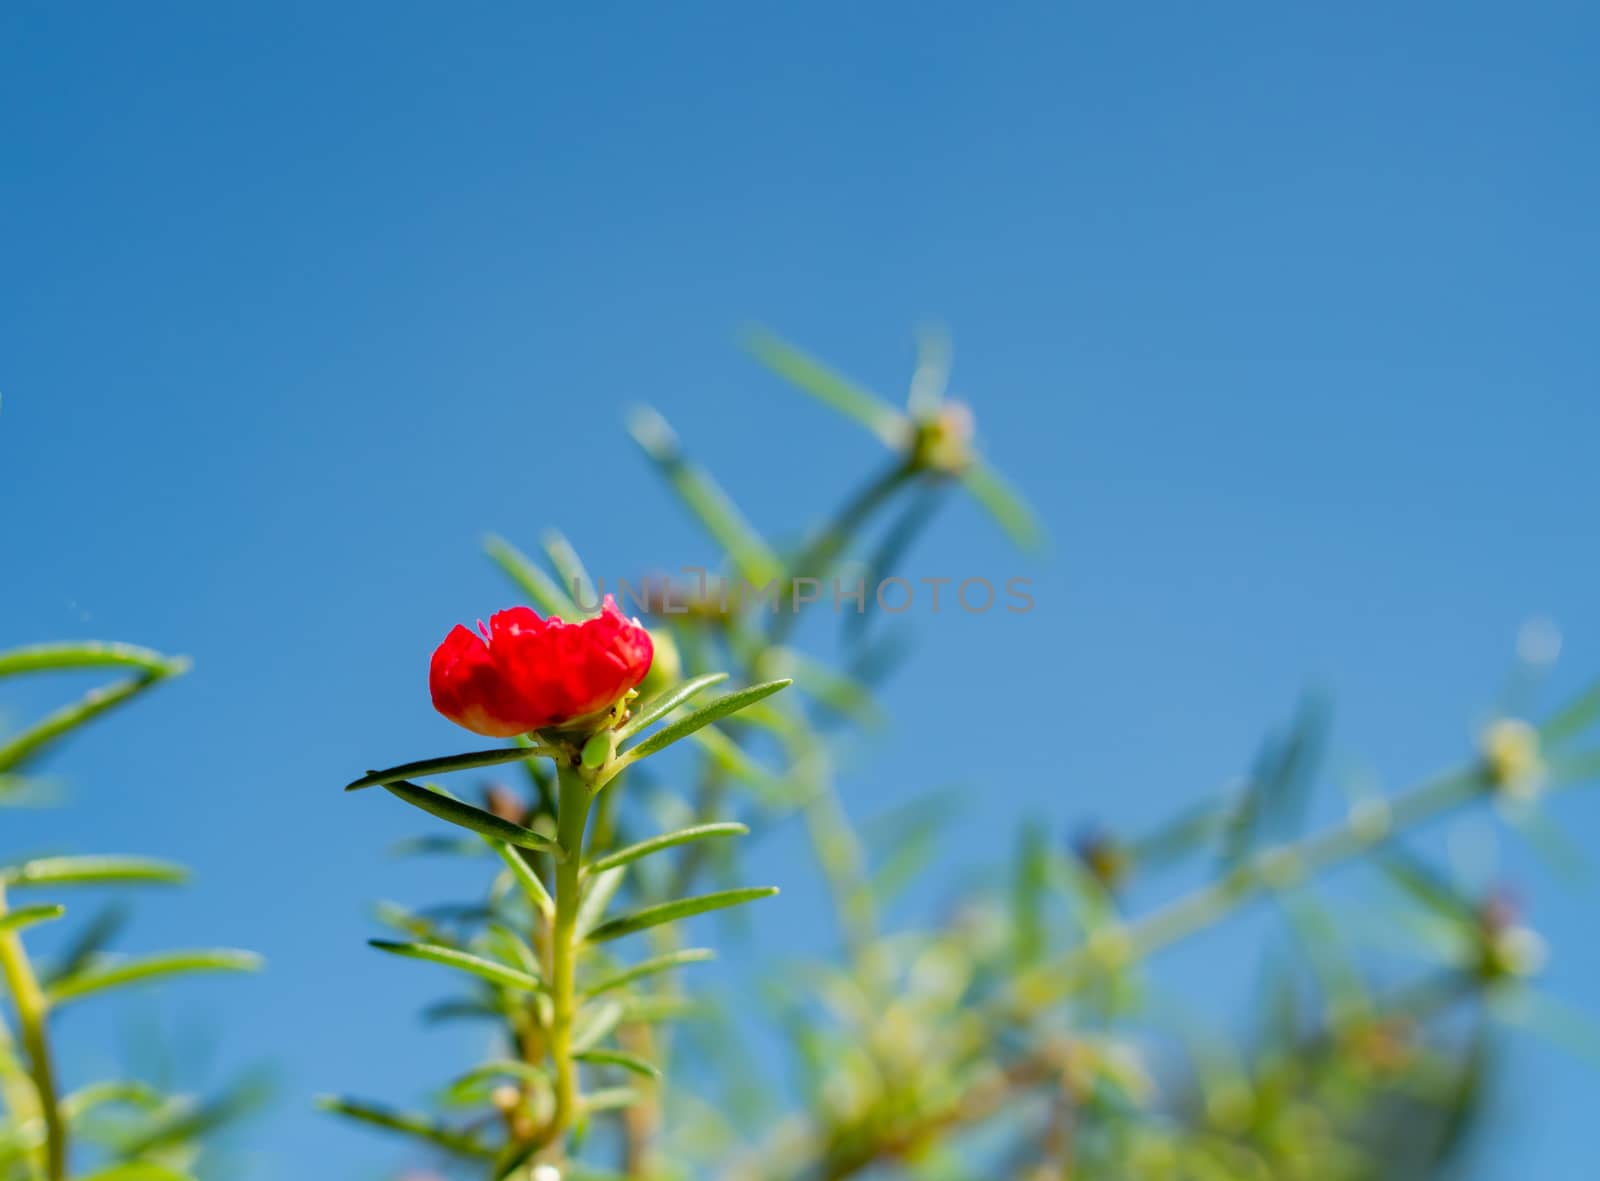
32,1010
572,815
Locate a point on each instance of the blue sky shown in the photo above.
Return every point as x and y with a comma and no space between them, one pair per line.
1282,316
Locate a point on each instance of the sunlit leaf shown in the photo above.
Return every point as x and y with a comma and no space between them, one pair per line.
664,703
575,579
750,555
610,1098
463,961
22,749
651,967
526,877
594,1024
472,1085
721,707
629,1062
599,890
829,387
94,870
666,840
137,969
127,1092
27,916
138,1171
547,594
89,654
667,912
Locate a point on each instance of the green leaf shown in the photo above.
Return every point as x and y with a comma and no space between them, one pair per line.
27,916
483,823
129,1092
92,870
89,654
664,703
610,1099
444,765
545,591
1031,880
629,1062
594,1024
600,889
828,387
750,555
667,912
1573,718
463,961
666,840
469,1086
23,748
138,1171
651,967
407,1123
721,707
100,977
1004,504
575,580
530,881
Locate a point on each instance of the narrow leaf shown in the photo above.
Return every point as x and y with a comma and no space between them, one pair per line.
828,387
594,1024
667,912
444,765
545,591
610,1099
575,580
463,961
750,555
99,978
1573,718
138,1171
602,888
666,840
23,748
664,703
470,1086
129,1092
483,823
530,882
628,1062
90,654
1004,504
721,707
652,967
27,916
92,870
407,1123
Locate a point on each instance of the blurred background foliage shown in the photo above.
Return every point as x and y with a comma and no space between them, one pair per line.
144,1124
1020,1035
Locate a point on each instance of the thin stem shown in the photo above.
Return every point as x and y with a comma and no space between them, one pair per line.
572,815
32,1011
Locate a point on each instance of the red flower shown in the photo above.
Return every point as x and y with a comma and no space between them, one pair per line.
525,673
